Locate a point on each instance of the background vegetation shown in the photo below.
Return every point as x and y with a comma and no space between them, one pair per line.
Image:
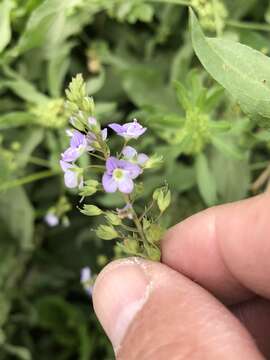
138,61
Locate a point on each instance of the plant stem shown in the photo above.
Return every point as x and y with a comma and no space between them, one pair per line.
146,211
129,228
136,219
98,167
247,25
176,2
38,161
217,19
97,156
28,179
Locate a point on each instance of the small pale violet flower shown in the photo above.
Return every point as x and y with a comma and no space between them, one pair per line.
130,130
125,212
72,175
131,154
86,280
91,138
51,219
78,145
119,175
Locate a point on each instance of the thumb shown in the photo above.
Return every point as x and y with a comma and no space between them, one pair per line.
149,311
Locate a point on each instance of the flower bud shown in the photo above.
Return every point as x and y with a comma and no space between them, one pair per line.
153,162
90,188
102,260
76,123
88,105
106,232
153,252
112,218
131,245
163,198
91,210
154,233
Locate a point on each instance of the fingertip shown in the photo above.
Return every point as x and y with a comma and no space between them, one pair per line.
192,248
119,293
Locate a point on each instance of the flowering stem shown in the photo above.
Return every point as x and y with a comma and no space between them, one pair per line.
136,219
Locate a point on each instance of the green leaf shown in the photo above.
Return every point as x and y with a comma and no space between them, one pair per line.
31,138
206,181
50,15
232,176
182,96
5,28
227,147
15,119
18,351
18,215
243,71
24,89
4,309
57,69
93,85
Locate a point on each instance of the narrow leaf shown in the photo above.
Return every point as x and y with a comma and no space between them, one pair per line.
5,28
206,181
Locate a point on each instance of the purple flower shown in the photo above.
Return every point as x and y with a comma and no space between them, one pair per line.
86,280
131,154
119,175
78,145
51,219
72,175
130,130
91,138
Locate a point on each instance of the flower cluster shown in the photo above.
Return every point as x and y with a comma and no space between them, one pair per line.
138,234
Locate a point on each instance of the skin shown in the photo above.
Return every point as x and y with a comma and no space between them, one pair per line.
208,299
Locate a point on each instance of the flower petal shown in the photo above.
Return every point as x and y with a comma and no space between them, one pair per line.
142,158
51,219
133,129
104,133
71,179
92,121
117,128
108,183
85,274
133,169
112,163
77,139
129,152
64,165
125,185
71,154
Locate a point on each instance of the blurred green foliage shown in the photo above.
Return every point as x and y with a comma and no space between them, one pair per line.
138,60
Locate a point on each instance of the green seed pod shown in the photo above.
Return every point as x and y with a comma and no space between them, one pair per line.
91,210
106,232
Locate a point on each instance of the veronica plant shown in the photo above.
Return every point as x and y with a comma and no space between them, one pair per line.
138,234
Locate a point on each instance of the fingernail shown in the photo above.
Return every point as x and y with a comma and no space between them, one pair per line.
119,293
